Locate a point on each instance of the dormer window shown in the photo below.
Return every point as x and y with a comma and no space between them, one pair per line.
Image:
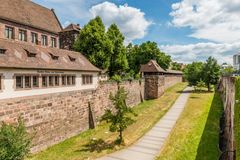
34,38
30,54
53,42
2,51
53,56
72,59
9,32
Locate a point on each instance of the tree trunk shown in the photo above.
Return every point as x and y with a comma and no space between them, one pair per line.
120,136
209,87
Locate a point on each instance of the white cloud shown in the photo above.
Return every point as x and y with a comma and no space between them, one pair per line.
131,21
215,20
201,51
71,9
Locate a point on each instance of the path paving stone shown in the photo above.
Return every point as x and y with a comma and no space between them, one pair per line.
148,147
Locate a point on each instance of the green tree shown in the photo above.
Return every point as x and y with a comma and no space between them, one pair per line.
211,72
132,51
120,117
193,73
14,141
200,86
118,58
228,71
176,66
94,44
146,51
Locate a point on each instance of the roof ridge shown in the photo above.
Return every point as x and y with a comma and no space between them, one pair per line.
53,11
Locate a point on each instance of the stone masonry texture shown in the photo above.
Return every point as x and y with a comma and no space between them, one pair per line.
53,118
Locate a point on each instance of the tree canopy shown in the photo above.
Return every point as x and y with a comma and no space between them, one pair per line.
208,72
176,66
193,73
94,44
211,72
106,50
118,59
141,54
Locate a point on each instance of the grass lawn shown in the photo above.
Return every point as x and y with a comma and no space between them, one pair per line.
195,136
237,118
83,147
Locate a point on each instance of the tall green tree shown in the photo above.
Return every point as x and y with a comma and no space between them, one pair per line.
118,58
94,44
193,73
146,51
211,72
121,117
132,51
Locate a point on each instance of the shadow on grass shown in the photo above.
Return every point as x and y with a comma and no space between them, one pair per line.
208,146
98,145
194,91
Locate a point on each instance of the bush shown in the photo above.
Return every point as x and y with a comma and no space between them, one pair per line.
14,141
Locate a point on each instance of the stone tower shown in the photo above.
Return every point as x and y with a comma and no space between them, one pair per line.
68,36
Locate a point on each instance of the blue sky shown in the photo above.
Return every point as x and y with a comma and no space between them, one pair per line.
187,30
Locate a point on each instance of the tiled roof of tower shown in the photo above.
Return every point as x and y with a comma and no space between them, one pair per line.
71,27
26,56
29,13
151,66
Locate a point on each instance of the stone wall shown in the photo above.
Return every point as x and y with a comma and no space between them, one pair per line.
154,86
227,140
55,117
67,39
170,80
58,116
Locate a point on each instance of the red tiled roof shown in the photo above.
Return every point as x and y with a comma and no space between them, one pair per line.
16,57
174,71
29,13
151,66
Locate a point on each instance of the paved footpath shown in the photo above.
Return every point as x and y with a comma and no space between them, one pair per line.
149,146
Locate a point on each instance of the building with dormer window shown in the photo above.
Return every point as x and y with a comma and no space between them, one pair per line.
31,61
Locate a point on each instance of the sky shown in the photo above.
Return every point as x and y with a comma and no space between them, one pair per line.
188,30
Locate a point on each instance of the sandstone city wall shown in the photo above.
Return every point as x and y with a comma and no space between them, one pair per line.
227,138
170,80
56,117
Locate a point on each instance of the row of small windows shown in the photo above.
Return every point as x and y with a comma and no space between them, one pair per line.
22,36
44,81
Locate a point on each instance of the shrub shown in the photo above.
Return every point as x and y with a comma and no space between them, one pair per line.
14,141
